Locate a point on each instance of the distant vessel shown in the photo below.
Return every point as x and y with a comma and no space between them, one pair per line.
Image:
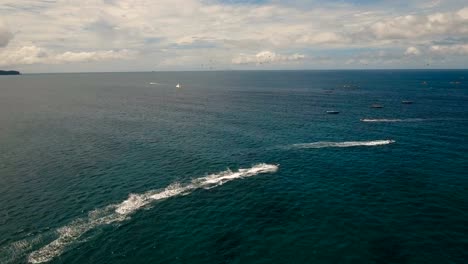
352,86
406,102
178,85
333,112
377,106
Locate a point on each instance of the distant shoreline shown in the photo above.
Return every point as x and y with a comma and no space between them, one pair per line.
10,73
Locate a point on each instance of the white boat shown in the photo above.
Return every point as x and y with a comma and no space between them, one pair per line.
178,85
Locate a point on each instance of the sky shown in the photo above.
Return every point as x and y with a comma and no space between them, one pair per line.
173,35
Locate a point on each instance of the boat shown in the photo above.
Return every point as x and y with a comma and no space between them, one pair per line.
406,102
376,106
333,112
178,86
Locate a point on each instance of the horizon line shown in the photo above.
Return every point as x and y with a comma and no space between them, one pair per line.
251,70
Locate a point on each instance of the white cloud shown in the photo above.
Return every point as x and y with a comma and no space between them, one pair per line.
266,57
28,55
418,26
463,13
22,56
323,38
450,49
412,51
92,56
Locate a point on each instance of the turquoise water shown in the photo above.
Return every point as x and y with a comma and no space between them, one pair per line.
234,167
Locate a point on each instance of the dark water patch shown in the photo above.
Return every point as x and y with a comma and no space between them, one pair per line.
389,250
227,247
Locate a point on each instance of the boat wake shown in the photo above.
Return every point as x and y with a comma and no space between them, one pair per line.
384,120
116,213
345,144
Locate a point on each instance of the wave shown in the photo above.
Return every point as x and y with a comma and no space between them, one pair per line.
345,144
115,213
384,120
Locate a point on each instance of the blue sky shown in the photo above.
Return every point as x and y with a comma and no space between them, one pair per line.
146,35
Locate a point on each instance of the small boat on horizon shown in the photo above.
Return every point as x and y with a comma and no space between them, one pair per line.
406,102
178,85
376,106
333,112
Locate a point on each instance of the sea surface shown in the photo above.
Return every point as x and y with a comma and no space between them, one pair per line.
234,167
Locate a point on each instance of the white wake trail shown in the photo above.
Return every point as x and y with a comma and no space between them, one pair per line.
394,120
116,213
345,144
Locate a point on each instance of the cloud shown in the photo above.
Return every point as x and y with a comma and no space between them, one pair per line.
323,38
22,56
177,33
266,57
5,34
436,51
463,13
68,56
28,55
375,58
449,49
412,51
417,26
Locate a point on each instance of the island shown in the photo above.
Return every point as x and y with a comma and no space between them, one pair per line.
9,72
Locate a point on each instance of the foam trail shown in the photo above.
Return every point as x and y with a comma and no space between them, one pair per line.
14,252
384,120
346,144
116,213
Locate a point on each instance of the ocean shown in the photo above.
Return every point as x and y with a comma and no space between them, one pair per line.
234,167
